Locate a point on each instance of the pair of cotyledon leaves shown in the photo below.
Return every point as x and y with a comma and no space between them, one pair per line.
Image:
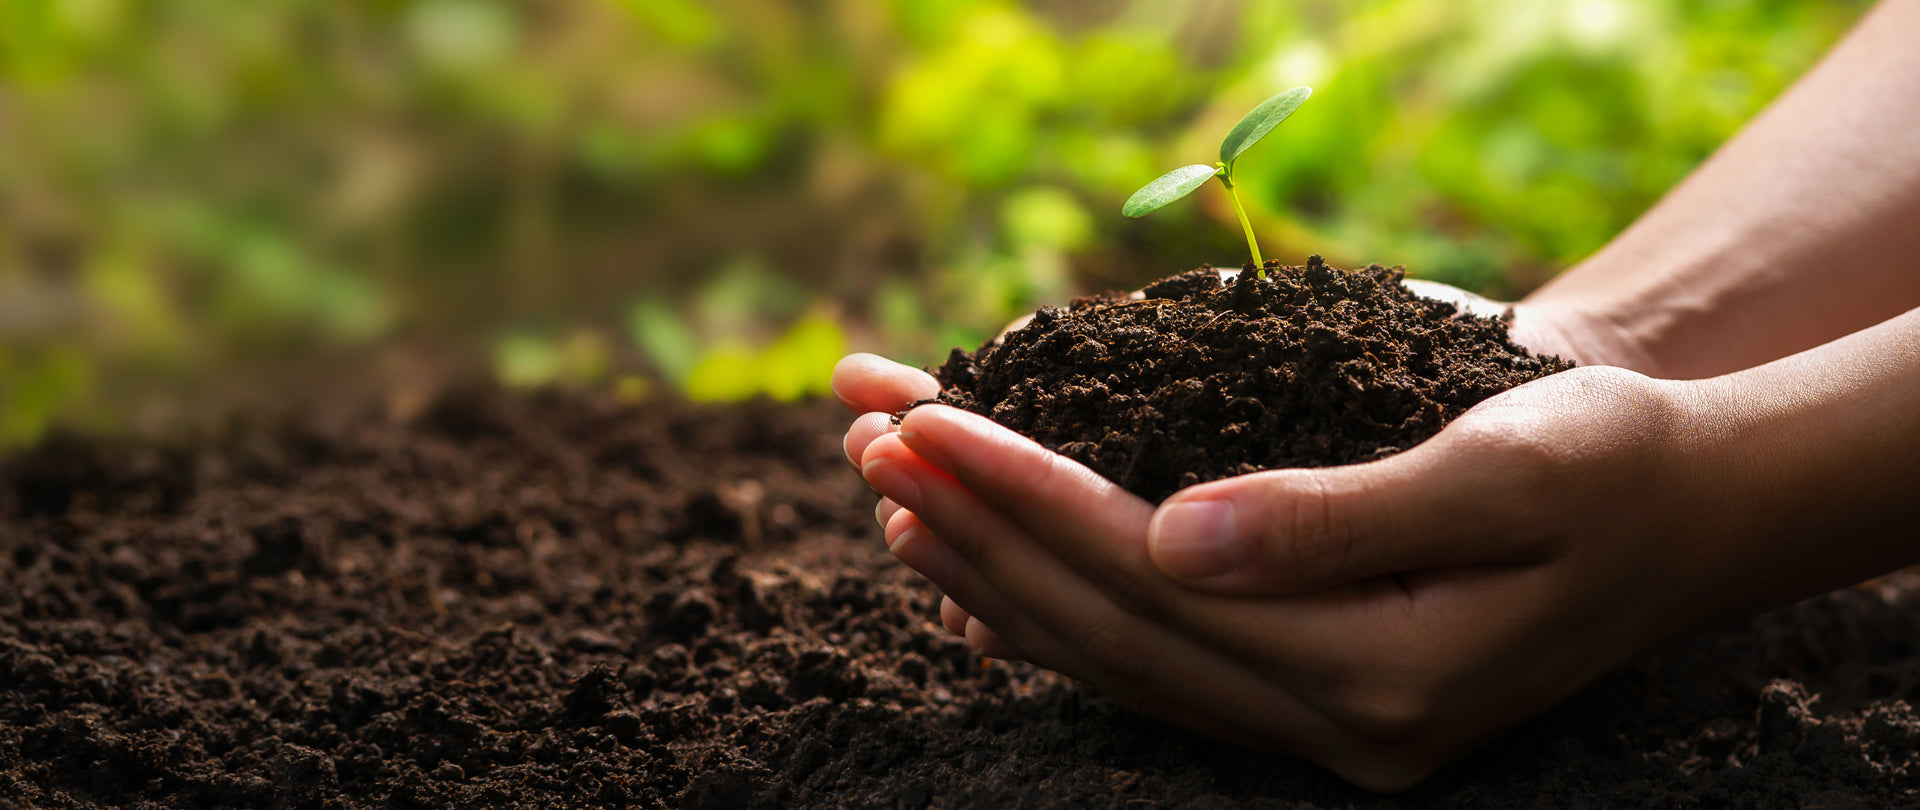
1182,181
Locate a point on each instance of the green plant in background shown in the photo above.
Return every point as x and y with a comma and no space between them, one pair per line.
566,188
1182,181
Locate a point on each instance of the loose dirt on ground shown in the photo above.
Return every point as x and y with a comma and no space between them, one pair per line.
550,600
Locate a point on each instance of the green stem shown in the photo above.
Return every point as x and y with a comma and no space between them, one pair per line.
1259,267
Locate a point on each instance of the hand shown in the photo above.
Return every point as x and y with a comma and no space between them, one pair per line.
877,388
1379,619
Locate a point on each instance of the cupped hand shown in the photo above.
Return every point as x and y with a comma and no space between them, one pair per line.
876,389
1379,619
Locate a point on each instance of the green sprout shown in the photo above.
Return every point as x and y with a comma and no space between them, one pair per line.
1182,181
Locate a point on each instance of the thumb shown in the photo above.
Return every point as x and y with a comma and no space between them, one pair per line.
1290,531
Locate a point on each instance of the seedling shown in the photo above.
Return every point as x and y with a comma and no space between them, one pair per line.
1182,181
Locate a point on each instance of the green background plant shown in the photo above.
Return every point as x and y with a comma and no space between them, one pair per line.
720,196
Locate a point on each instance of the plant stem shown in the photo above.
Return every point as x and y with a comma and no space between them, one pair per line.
1259,267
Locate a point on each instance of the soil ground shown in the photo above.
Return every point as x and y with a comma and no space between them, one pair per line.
519,600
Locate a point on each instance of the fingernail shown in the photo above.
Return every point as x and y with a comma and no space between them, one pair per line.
929,557
846,446
925,449
883,511
1195,540
886,476
960,428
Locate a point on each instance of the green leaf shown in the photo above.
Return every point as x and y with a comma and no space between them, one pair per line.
1256,124
1168,187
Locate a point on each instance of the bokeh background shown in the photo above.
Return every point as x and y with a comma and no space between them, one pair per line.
719,197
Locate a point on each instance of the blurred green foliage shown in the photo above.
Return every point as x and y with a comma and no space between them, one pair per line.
724,195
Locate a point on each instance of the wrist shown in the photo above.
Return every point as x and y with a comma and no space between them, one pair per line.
1801,469
1581,334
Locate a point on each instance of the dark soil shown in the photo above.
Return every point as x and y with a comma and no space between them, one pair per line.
1310,367
523,601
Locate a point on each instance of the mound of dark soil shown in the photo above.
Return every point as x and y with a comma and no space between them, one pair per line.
548,602
1310,367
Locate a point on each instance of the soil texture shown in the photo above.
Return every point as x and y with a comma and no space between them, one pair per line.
553,601
1311,366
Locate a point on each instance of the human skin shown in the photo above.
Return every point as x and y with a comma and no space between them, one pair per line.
1742,434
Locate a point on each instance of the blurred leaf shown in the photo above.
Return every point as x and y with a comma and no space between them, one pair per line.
682,23
971,108
923,21
1046,217
663,335
39,387
1129,77
1166,188
30,39
461,35
730,145
729,372
124,285
526,360
801,362
743,292
1103,163
1260,121
905,324
531,360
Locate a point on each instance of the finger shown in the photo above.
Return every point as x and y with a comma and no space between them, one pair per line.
1086,520
1094,532
1031,641
884,511
868,382
1293,531
1137,663
953,616
916,546
865,428
984,641
1048,609
1180,710
1217,711
919,549
897,524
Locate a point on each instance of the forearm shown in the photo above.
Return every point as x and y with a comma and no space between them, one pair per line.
1805,469
1804,227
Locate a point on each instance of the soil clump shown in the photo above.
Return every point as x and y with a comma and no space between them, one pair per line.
1200,380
